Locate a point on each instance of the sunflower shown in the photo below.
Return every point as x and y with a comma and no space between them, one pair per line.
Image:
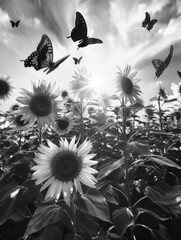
64,94
61,168
176,89
64,124
162,92
39,105
15,107
127,85
17,123
5,86
81,85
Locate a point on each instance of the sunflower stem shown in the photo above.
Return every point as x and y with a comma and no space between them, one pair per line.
72,206
126,158
127,183
40,136
160,113
81,124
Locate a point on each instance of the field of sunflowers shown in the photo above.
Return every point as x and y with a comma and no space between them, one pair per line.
78,165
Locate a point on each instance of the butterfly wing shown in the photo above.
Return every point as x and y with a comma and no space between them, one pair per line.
75,60
157,63
88,41
12,23
160,66
45,52
169,57
179,73
32,60
54,65
79,60
43,56
45,47
17,23
151,24
146,20
79,32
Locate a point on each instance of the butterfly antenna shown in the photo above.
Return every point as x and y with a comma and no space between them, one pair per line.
69,37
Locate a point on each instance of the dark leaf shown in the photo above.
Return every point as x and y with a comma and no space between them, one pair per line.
143,210
142,232
28,194
138,105
69,237
109,167
122,219
46,214
9,206
51,233
86,223
138,148
108,192
94,203
172,199
162,161
7,189
86,236
121,195
78,237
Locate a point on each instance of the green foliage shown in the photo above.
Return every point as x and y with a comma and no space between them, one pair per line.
138,190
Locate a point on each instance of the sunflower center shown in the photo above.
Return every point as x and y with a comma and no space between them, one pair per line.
19,122
66,165
4,87
127,85
62,124
41,105
64,94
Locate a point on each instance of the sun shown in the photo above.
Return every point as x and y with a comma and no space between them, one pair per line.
99,83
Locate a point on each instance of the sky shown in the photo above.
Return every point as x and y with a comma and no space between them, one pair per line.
117,22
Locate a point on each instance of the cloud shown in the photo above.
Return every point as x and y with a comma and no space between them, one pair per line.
52,15
116,22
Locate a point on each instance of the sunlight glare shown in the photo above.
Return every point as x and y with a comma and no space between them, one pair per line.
99,85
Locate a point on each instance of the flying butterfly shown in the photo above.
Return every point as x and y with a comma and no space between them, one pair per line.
14,24
77,60
43,56
148,23
160,65
79,32
179,73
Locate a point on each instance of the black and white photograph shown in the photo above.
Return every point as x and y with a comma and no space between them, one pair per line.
90,119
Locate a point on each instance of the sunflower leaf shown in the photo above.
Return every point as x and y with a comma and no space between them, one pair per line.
51,233
143,232
10,205
86,223
94,203
109,166
162,161
138,148
122,219
46,214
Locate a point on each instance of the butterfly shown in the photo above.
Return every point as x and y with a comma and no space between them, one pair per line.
43,56
147,23
179,73
77,60
14,24
79,32
160,65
